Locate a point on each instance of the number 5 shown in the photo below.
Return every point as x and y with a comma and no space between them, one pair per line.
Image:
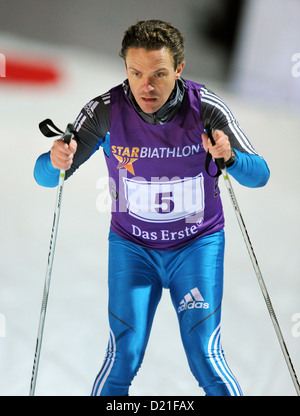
164,198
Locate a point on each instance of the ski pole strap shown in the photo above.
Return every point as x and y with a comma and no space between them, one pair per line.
45,125
207,163
49,129
219,162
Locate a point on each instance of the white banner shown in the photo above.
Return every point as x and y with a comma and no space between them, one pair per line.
164,200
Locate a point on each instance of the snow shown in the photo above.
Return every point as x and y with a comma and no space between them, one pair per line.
76,328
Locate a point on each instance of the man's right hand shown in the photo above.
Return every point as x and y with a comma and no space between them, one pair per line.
62,154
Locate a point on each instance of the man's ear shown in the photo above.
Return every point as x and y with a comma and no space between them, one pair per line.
179,70
125,67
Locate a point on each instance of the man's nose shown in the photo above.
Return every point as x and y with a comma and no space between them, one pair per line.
148,87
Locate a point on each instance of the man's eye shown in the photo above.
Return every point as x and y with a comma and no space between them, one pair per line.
160,75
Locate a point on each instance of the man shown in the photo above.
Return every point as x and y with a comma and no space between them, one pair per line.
167,220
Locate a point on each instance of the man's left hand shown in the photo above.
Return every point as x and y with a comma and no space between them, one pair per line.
222,147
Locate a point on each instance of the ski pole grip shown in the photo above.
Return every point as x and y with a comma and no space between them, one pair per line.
219,162
68,134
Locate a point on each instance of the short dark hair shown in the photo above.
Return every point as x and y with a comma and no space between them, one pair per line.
153,35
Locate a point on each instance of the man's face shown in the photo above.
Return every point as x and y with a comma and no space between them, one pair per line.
151,76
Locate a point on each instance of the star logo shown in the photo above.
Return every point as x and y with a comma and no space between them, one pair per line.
125,162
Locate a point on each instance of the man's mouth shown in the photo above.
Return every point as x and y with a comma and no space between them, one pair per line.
148,99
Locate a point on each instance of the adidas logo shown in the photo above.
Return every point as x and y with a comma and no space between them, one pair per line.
192,300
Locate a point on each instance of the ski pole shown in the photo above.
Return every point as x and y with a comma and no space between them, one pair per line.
66,137
221,165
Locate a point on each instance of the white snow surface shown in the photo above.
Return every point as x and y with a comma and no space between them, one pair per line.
76,328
